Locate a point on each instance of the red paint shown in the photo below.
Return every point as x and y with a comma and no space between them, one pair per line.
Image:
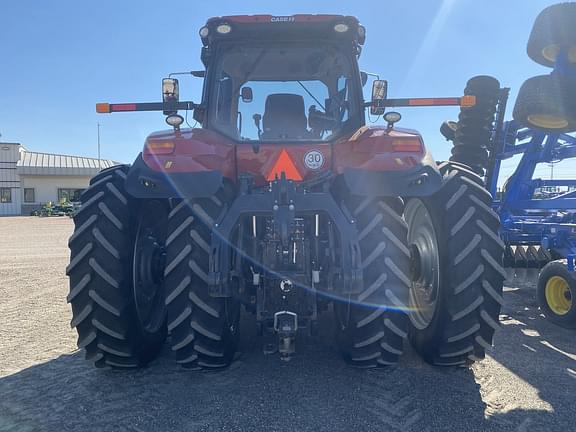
194,150
261,164
123,107
434,101
376,149
370,148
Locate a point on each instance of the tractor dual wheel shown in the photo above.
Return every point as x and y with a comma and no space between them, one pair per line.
557,294
554,28
474,128
457,273
116,274
373,325
204,329
547,103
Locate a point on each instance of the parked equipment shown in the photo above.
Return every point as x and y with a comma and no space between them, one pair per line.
538,227
286,211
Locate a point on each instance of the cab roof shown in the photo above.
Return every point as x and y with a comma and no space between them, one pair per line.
291,27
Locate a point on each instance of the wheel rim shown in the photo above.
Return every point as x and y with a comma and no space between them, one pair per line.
558,295
548,121
551,52
148,268
425,270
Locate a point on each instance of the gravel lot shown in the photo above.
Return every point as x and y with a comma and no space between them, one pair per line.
528,383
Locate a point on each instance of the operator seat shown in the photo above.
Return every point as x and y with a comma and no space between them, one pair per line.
284,117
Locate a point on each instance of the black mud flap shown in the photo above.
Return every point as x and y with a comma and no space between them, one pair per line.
143,182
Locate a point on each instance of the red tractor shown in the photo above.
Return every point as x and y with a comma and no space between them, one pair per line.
286,203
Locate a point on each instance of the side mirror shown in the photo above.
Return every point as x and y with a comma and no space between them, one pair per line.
363,78
170,94
170,90
246,94
379,93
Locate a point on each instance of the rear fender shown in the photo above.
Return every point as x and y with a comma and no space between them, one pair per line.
189,163
144,182
377,161
421,180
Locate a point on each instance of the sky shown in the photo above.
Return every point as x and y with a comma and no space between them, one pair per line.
58,58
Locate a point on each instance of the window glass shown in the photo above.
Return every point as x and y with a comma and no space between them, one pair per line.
558,170
5,195
287,92
29,195
69,195
299,93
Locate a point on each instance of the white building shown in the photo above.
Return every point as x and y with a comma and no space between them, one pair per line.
28,180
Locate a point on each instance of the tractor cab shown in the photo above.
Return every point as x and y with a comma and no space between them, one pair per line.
279,79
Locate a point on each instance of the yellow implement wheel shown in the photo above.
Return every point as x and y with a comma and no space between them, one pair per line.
544,103
553,28
546,121
550,53
558,295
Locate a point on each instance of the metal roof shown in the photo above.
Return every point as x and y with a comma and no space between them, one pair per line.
34,163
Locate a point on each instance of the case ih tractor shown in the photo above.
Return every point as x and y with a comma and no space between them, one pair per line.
287,204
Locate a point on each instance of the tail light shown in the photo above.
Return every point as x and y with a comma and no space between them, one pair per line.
407,145
159,147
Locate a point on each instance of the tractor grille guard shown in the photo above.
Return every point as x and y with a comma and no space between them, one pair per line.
283,201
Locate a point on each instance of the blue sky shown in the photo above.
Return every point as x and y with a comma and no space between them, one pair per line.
58,58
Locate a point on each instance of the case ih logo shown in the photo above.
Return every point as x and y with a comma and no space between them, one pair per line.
282,19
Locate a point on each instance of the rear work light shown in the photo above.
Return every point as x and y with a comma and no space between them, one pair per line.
224,28
341,28
160,147
204,32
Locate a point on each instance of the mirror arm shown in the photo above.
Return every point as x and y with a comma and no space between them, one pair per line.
197,73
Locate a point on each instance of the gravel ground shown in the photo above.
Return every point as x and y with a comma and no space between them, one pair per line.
528,383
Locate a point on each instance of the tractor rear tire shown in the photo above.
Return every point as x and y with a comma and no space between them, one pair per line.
557,294
547,103
554,27
373,324
102,290
508,257
457,273
204,329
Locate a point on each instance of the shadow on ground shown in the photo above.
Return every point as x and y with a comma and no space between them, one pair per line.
315,391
